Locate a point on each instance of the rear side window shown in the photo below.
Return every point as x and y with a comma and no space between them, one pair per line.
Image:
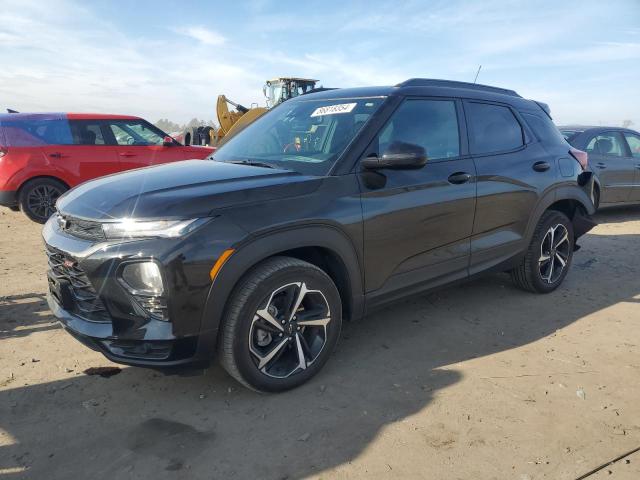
544,129
493,128
608,143
35,130
431,124
87,132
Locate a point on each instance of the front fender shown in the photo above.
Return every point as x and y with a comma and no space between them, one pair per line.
253,250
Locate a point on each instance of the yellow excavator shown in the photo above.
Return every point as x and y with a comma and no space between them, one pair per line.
233,120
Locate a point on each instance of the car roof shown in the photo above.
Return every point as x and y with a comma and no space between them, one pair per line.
428,87
70,116
593,128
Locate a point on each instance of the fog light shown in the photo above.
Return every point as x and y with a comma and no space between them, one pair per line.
143,277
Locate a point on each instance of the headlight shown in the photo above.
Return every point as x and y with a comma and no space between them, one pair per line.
129,228
143,277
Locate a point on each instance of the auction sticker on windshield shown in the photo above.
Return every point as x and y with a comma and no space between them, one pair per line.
333,109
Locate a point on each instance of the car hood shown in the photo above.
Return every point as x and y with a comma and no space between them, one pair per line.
180,190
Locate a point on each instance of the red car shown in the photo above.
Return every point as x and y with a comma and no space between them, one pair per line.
42,155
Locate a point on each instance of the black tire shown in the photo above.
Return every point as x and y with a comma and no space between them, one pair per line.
38,198
596,197
530,274
256,292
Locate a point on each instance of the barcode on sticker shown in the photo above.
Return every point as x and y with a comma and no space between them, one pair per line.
333,109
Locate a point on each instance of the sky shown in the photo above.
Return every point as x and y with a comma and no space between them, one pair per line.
169,59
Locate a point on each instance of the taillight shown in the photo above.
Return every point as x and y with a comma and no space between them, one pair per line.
581,157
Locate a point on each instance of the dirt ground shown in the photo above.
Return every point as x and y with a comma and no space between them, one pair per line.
480,381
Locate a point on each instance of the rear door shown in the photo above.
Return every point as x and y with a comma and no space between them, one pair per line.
633,141
140,144
614,166
417,223
91,153
513,169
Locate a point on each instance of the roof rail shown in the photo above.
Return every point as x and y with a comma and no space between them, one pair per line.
429,82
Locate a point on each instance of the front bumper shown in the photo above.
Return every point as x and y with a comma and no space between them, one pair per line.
160,350
110,321
8,198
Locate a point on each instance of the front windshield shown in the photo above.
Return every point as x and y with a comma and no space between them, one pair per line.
303,136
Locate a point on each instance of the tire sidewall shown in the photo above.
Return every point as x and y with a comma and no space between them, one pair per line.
552,220
315,280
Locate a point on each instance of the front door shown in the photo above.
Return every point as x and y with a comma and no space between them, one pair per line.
417,223
140,144
613,165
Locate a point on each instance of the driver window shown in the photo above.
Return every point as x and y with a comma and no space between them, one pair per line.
135,133
431,124
609,143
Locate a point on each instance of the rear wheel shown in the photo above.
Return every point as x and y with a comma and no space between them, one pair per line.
549,255
38,198
281,325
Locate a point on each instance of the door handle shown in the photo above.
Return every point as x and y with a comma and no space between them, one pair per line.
55,155
127,154
541,166
601,165
459,178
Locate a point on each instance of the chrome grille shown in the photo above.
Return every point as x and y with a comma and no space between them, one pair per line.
86,302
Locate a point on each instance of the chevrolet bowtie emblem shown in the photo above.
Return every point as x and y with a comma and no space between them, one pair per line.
69,263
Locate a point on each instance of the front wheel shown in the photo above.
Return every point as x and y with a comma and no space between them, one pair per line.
38,198
549,255
281,325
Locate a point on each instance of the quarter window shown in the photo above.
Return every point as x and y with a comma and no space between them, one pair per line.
493,128
545,129
634,144
431,124
609,143
35,130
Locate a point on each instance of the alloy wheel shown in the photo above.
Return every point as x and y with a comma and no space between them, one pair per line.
289,330
554,253
41,200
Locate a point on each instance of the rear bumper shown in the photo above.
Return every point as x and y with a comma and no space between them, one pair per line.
8,198
162,350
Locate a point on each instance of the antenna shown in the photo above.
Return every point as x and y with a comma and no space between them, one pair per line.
477,73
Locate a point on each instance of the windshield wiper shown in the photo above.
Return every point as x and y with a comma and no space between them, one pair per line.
253,163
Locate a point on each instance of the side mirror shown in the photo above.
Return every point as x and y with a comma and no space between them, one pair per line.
399,155
167,141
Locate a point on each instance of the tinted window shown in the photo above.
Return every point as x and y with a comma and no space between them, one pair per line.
544,129
136,132
87,132
493,128
432,124
609,143
634,144
35,130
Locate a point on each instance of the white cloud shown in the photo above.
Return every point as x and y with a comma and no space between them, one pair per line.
66,57
202,34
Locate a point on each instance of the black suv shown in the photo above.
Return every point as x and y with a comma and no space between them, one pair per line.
328,206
